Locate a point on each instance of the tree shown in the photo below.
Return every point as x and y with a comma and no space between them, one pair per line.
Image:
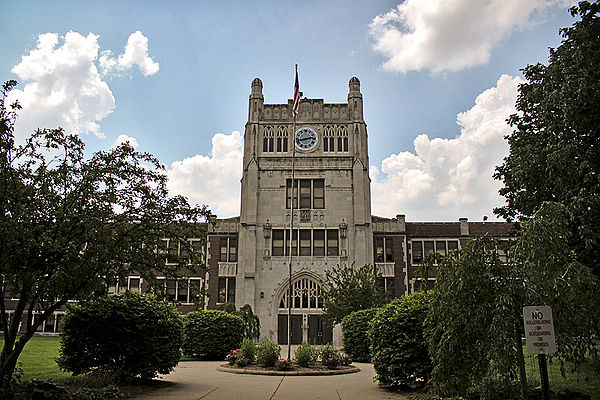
474,326
69,225
347,289
555,145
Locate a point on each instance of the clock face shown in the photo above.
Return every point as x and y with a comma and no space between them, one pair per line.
306,139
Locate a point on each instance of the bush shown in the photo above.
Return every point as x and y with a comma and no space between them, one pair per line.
248,349
283,364
354,330
305,355
210,334
129,334
267,353
232,356
243,361
398,348
329,356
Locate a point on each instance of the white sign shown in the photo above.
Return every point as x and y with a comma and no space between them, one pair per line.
539,329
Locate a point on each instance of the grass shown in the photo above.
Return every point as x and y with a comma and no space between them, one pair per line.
585,379
38,359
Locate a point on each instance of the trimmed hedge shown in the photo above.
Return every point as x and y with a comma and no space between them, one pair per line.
354,329
129,334
211,334
398,347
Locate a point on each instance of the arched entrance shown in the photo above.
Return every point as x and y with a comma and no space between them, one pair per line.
307,323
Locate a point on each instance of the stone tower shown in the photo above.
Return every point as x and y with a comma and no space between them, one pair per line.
331,207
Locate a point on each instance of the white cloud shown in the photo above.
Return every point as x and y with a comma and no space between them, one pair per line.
441,35
124,138
64,87
136,53
450,178
213,180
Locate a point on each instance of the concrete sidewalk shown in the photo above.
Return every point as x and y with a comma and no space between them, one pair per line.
200,380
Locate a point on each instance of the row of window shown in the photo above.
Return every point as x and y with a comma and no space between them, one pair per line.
50,325
335,139
306,193
174,250
423,248
275,142
313,242
335,135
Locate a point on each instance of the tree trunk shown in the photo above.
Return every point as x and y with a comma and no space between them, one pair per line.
521,361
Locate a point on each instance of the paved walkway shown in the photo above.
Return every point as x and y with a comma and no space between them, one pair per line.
200,380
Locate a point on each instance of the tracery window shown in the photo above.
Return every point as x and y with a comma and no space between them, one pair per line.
268,139
282,139
342,136
306,293
328,139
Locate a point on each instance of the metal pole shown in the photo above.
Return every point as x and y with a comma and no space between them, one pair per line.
544,376
289,356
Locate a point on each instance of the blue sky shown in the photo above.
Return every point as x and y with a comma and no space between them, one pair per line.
174,77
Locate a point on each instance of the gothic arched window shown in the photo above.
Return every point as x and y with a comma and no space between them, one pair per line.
268,139
306,293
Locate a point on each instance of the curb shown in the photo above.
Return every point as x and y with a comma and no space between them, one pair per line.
351,370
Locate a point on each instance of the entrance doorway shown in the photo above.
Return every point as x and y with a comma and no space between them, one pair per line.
282,329
319,330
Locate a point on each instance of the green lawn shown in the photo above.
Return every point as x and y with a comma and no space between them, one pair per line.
38,358
585,379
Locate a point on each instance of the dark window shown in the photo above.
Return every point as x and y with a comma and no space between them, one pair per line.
226,290
319,193
440,247
171,289
294,242
279,144
277,242
134,284
223,249
452,245
428,246
305,193
182,291
232,250
417,252
289,193
429,284
305,242
332,242
318,242
379,251
389,250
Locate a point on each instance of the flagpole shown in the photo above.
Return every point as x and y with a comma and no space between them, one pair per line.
294,112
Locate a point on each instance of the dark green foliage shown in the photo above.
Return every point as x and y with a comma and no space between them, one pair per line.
267,353
398,347
248,349
211,334
129,334
354,329
476,313
349,289
304,355
227,307
251,322
70,223
554,149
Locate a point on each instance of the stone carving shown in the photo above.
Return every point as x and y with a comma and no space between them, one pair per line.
227,269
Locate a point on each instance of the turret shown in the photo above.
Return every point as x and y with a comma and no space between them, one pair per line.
355,99
256,100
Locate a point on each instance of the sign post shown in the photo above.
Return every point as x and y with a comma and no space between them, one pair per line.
539,335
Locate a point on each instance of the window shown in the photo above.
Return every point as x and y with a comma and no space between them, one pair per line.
181,290
282,139
423,248
268,139
387,284
133,284
342,133
306,293
429,284
313,242
310,192
328,139
384,249
226,293
228,249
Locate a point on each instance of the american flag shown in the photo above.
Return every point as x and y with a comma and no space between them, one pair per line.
297,94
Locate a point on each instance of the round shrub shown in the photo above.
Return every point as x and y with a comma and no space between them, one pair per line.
129,334
354,330
398,348
304,355
267,352
248,349
211,334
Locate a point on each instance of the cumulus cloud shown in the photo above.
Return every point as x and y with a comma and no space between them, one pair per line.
450,178
124,138
135,54
213,180
441,35
64,87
